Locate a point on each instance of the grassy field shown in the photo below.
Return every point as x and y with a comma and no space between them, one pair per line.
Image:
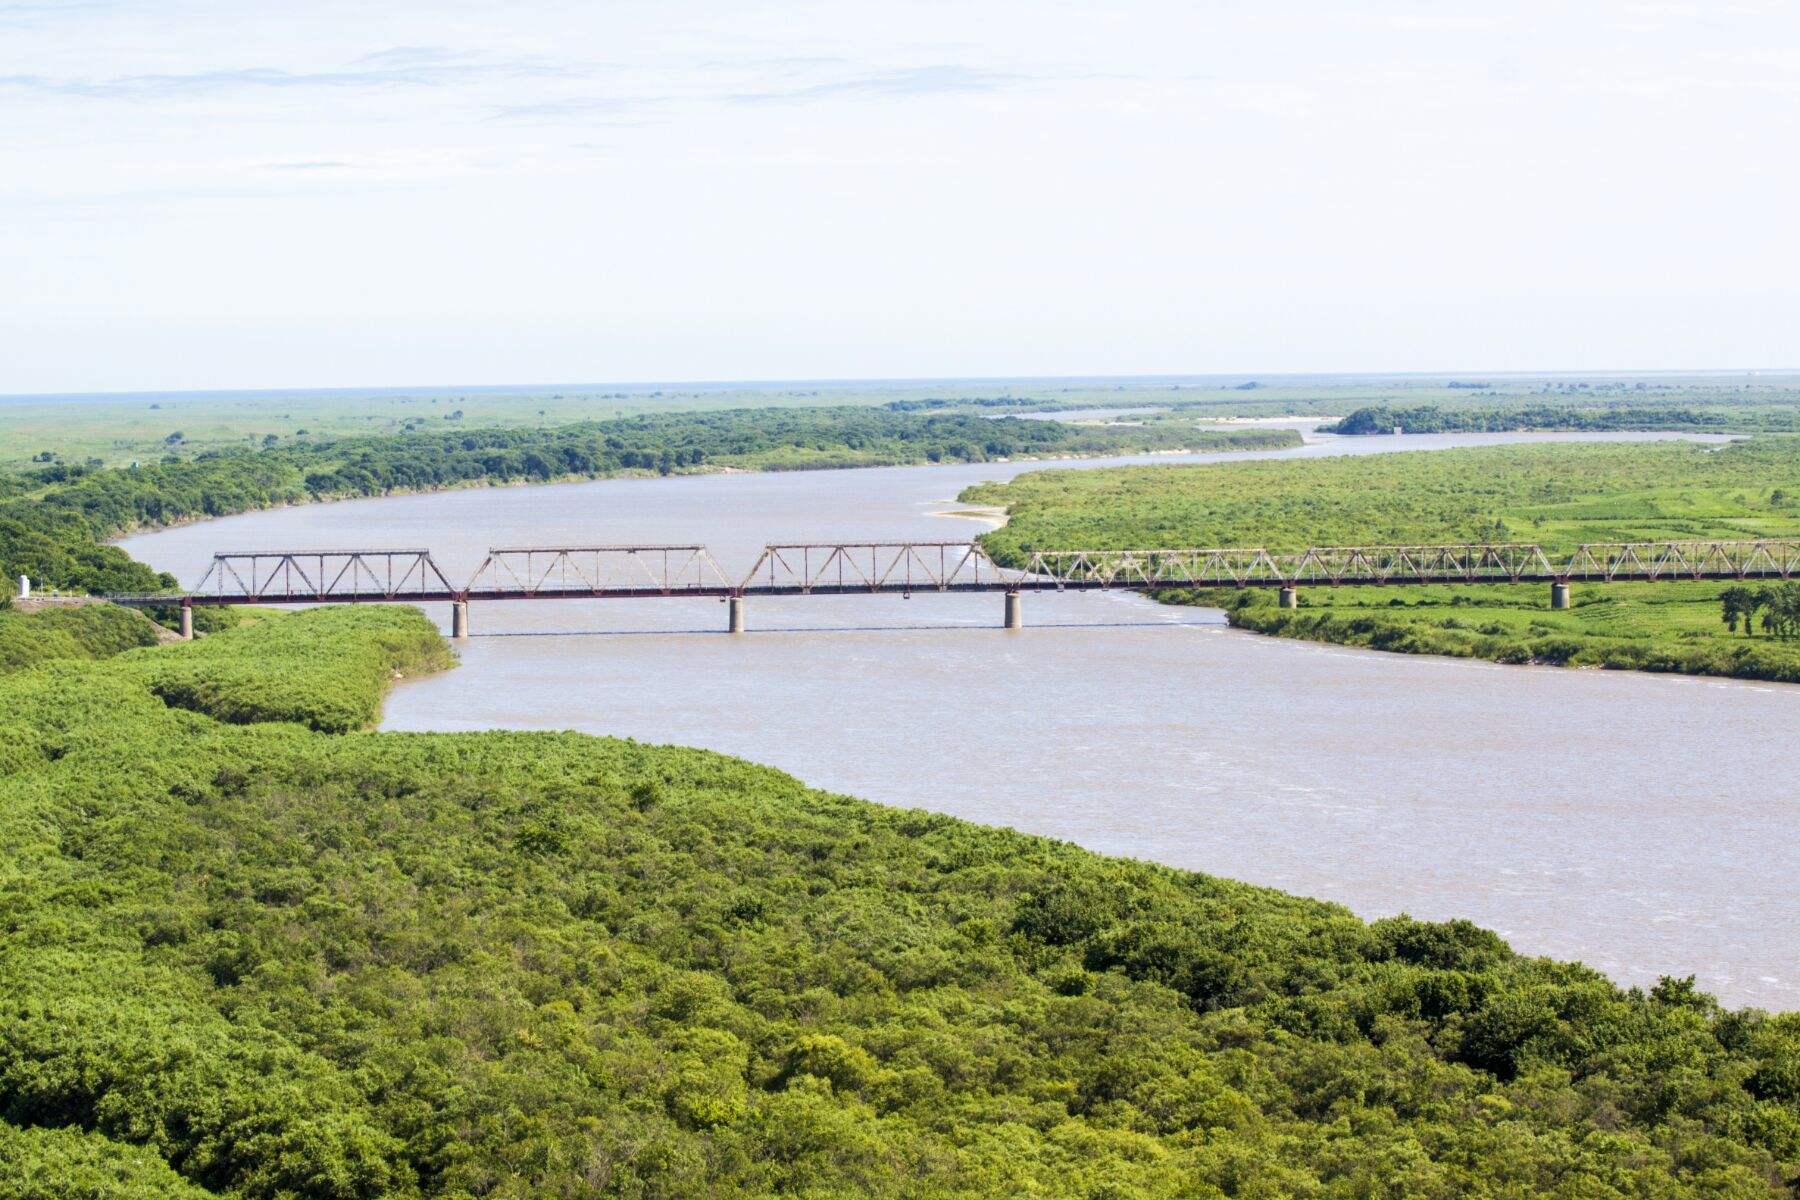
1556,495
250,951
118,429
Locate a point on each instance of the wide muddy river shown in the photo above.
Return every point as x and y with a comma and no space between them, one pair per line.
1644,824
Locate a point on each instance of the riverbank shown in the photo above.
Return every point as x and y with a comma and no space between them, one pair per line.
1662,627
1558,496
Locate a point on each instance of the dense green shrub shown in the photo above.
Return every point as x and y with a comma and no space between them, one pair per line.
288,679
85,631
276,962
68,1164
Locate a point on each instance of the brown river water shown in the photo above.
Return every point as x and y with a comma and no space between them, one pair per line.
1644,824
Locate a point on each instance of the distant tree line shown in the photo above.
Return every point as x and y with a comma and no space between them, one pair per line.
937,403
1431,418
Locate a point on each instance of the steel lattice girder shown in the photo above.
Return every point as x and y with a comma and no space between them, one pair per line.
805,568
324,575
663,570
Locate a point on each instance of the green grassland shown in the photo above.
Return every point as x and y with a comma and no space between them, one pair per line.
1558,496
251,951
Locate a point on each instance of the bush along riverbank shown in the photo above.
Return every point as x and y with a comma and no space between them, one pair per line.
1558,496
248,955
1622,627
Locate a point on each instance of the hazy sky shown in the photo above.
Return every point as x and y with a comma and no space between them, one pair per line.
228,194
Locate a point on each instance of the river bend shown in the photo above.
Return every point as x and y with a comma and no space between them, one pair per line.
1644,824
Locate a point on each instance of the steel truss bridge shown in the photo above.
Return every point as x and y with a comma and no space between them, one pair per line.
636,572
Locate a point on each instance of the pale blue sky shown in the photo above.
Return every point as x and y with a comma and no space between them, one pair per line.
210,194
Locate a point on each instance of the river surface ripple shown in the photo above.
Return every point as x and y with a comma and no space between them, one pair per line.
1644,824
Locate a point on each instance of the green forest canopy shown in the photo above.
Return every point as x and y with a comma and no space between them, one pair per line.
246,957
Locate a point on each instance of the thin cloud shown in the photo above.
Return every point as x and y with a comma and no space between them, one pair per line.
207,82
401,66
412,56
594,109
323,164
34,14
1445,23
941,80
786,62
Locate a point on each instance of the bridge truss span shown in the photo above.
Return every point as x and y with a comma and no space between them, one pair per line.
599,572
1769,558
322,576
1341,566
1328,565
838,568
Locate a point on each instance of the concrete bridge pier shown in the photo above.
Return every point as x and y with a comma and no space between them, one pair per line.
1289,598
1015,611
459,619
1559,596
734,621
187,622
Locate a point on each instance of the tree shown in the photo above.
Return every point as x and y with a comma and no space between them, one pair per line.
1740,604
1782,610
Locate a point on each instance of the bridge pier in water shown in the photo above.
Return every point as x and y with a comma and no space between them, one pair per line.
1015,611
187,622
459,619
1289,598
1559,596
734,621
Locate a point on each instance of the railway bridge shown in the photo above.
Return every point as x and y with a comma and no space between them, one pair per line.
637,572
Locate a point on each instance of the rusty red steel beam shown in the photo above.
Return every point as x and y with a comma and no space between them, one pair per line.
642,571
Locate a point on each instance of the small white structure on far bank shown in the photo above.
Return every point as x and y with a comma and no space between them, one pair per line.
24,587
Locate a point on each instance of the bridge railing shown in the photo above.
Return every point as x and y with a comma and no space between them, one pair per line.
665,570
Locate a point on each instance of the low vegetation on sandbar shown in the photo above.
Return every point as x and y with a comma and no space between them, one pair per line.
250,951
1558,496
